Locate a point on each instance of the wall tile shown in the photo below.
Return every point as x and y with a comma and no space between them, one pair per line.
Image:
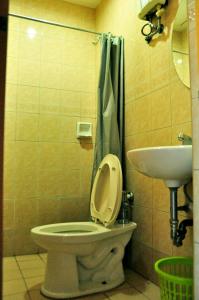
27,127
71,156
12,71
143,218
88,105
27,99
161,197
68,129
161,108
159,65
29,45
8,214
49,183
129,121
50,156
11,95
156,256
10,122
29,246
160,137
69,209
141,111
9,191
161,232
26,212
50,101
157,108
27,169
8,242
141,259
70,183
51,75
51,84
13,42
49,128
29,72
141,186
70,102
51,49
180,103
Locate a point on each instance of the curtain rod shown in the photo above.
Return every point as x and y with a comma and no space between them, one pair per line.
53,23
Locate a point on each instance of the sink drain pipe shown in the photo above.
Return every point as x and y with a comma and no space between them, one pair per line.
178,231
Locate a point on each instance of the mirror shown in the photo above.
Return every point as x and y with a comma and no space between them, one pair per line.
180,43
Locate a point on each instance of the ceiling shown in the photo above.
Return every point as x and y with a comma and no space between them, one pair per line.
88,3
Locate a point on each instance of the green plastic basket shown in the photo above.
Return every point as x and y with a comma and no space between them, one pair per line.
175,277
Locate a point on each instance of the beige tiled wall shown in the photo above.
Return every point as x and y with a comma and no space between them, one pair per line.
158,107
194,47
50,86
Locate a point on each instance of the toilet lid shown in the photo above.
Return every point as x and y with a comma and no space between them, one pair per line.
107,191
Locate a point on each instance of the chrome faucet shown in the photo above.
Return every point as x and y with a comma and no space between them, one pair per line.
185,139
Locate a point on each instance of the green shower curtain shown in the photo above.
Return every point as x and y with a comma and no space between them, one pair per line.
110,116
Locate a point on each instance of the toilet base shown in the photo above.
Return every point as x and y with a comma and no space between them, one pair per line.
85,288
66,277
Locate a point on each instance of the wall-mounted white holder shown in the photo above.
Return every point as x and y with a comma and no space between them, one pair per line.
84,130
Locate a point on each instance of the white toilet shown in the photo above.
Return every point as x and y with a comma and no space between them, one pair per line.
86,257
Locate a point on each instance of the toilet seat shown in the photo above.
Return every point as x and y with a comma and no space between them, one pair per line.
107,191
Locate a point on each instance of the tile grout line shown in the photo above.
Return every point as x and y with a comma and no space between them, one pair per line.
103,293
27,289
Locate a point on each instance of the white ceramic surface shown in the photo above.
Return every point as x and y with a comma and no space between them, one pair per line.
83,257
86,257
173,164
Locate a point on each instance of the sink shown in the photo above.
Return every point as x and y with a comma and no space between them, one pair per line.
173,164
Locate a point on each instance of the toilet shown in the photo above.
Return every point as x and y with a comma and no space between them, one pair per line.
86,257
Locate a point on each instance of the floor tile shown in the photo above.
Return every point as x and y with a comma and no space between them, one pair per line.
30,264
43,256
11,274
135,280
32,257
10,264
36,272
143,285
21,296
32,269
122,286
36,295
152,291
34,283
126,294
13,287
9,259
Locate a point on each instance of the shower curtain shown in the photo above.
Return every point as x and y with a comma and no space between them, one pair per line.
110,116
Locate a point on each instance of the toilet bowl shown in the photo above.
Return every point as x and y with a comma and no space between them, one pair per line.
86,257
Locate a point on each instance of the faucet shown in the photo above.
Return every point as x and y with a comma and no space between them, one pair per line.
185,139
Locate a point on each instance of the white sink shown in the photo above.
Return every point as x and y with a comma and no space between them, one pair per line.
173,164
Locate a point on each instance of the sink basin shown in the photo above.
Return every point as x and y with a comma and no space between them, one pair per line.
173,164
